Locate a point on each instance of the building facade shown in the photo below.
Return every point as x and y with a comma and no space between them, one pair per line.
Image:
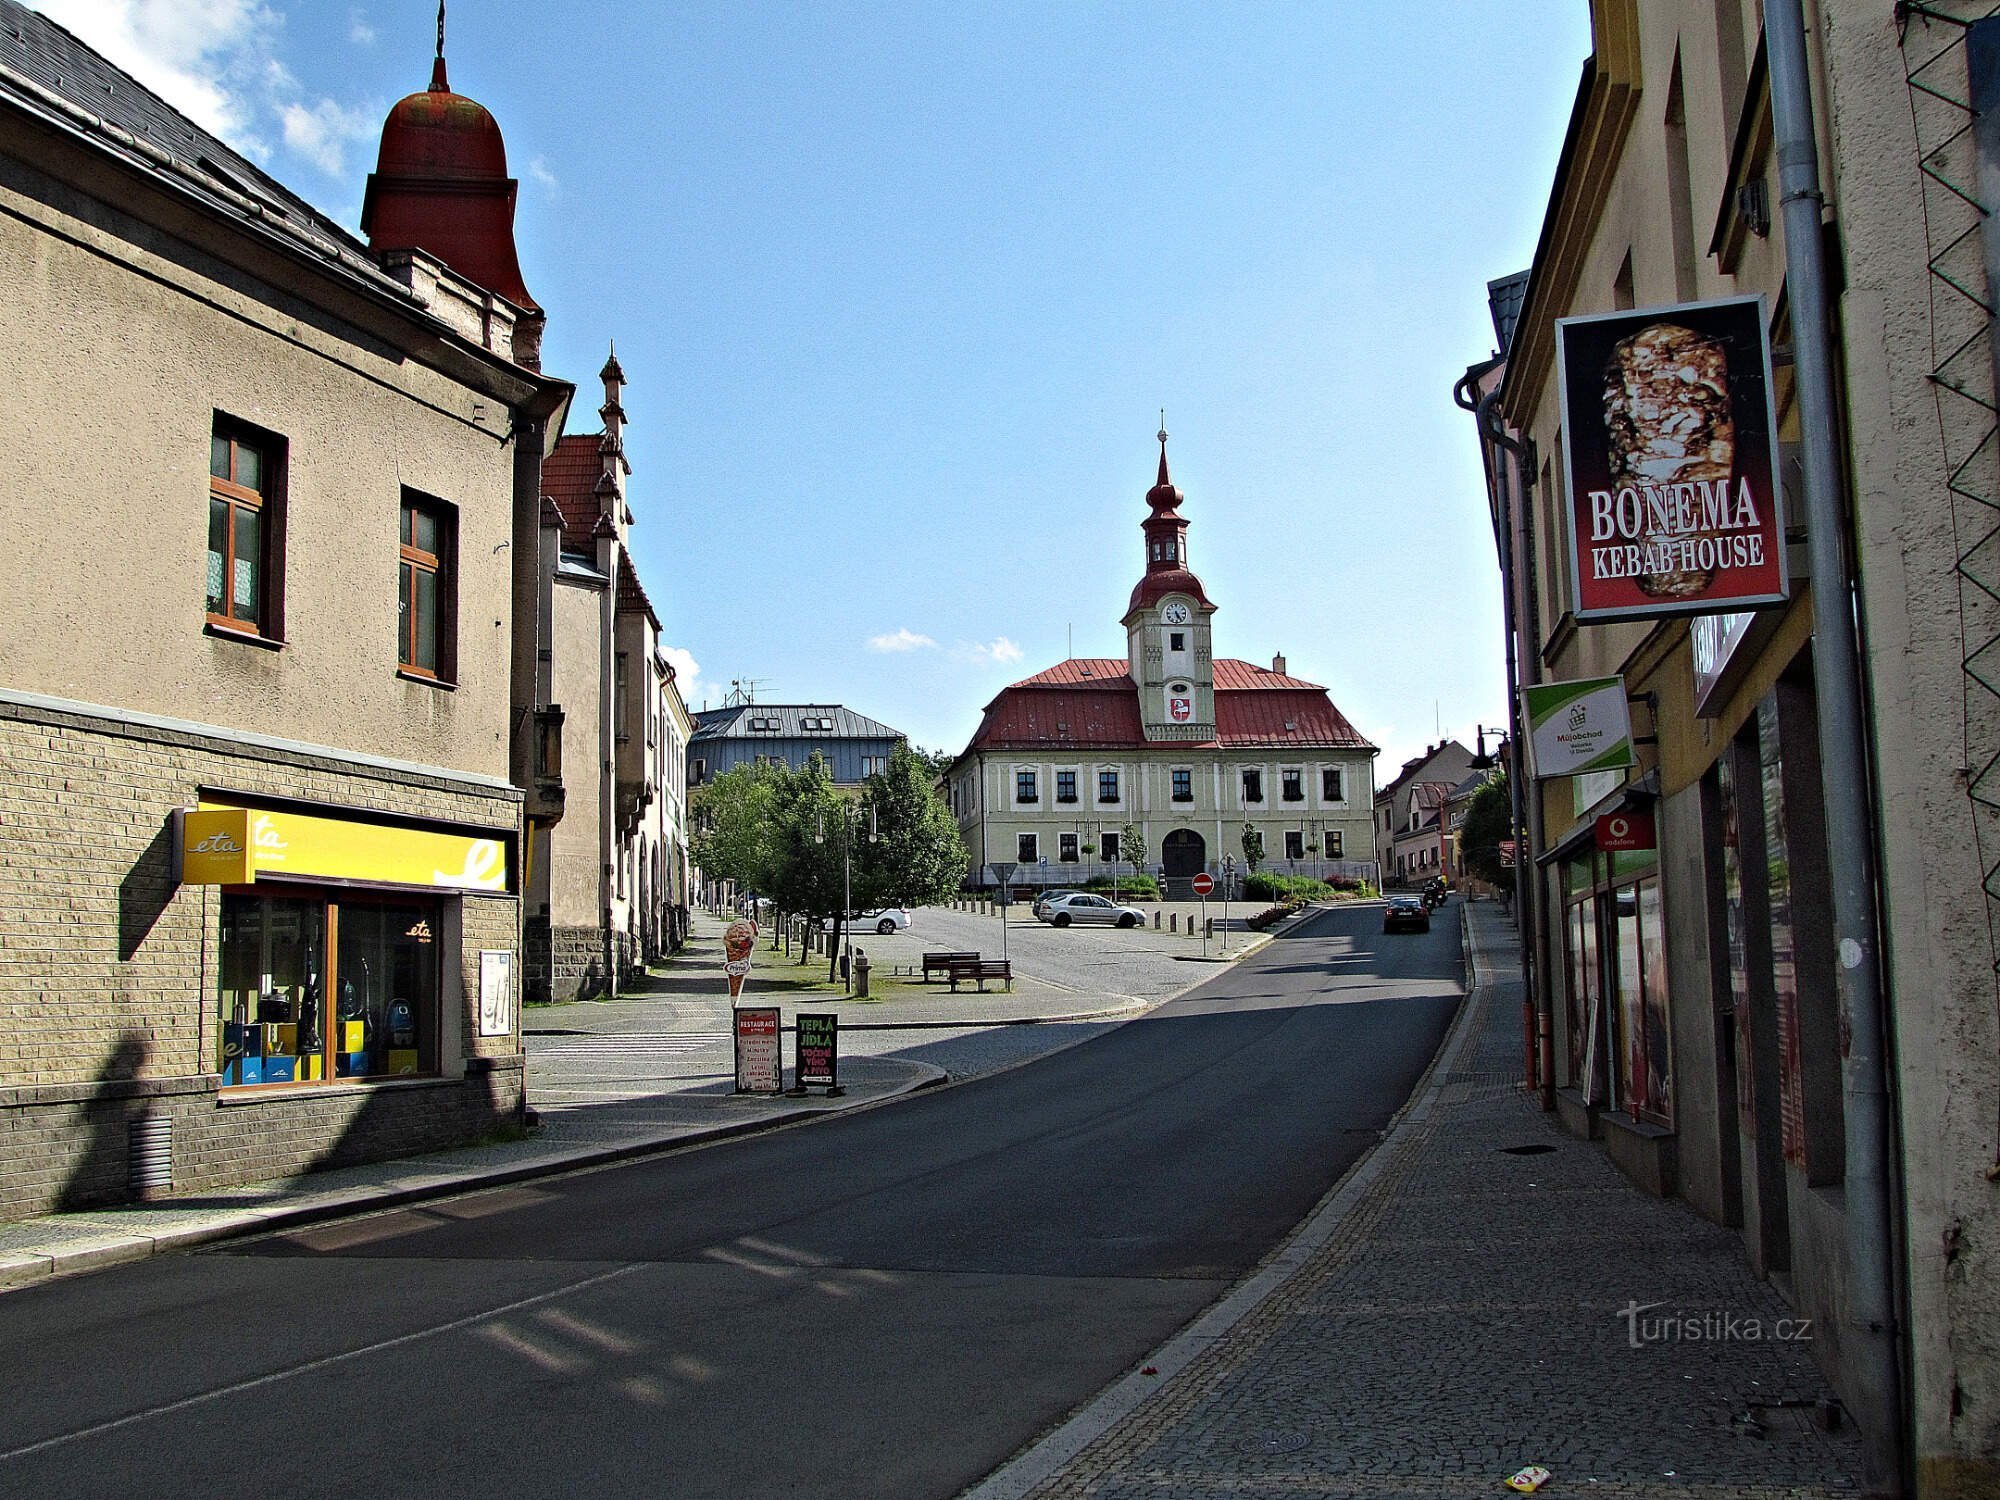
1187,748
259,909
1699,1009
853,745
608,891
1410,833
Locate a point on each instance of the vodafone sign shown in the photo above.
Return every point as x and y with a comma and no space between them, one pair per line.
1626,830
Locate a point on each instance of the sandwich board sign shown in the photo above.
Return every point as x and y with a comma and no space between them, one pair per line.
760,1062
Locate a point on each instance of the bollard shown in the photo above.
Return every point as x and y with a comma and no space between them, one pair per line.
1173,921
1208,929
861,967
1156,921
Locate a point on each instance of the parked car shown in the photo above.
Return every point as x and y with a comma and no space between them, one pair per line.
1043,898
884,919
1082,906
1406,911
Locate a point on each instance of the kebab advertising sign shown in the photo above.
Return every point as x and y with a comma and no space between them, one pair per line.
1670,449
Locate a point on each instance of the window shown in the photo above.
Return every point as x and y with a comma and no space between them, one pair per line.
699,767
1333,843
1027,849
1065,786
1024,786
1292,786
1107,847
1177,641
1253,786
427,597
288,1015
243,525
874,765
1066,848
1295,844
620,717
1332,784
1183,786
1107,786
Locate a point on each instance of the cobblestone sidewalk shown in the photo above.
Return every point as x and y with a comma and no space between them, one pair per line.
1464,1306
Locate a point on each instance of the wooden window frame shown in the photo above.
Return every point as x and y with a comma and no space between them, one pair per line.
268,505
441,565
1108,778
1176,778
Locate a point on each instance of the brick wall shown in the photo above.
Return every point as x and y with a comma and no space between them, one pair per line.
107,965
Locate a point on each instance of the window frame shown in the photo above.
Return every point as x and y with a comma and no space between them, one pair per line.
1178,777
1292,784
1107,847
1066,786
1295,844
1027,788
1333,784
1027,848
1066,850
267,504
442,566
1112,797
1251,782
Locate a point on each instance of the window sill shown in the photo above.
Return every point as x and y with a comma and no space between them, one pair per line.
433,682
242,637
1183,799
257,1093
1065,800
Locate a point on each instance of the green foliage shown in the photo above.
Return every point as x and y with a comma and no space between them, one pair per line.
934,762
1132,848
730,821
1266,887
1128,887
916,857
1253,847
1488,820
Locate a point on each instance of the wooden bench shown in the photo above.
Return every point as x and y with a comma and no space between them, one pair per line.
941,962
981,969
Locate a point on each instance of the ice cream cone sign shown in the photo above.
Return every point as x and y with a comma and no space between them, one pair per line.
738,939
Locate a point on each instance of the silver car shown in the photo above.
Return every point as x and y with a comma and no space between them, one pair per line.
885,920
1081,907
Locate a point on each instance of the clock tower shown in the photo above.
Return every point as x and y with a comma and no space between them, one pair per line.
1167,626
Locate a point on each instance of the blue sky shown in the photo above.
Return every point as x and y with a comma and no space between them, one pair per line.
900,289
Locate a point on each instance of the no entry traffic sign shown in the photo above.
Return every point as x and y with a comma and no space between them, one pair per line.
1203,883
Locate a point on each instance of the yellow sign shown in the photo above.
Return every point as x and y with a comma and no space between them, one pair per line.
237,845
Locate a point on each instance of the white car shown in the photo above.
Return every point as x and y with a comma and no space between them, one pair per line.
885,920
1081,907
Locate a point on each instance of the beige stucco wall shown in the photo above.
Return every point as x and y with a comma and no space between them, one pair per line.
572,867
121,354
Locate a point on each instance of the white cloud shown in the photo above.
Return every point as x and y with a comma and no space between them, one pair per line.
687,671
902,638
217,61
999,650
539,173
321,133
358,30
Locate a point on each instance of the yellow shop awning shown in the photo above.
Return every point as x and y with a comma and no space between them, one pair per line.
238,845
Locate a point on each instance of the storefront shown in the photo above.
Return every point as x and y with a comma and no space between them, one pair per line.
1617,1009
331,943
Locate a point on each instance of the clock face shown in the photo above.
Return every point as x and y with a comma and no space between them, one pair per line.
1175,613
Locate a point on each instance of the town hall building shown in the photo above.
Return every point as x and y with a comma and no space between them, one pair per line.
1189,748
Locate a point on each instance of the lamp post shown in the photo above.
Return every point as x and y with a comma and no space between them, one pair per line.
1228,884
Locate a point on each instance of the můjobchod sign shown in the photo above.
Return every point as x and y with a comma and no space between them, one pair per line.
1670,448
1576,728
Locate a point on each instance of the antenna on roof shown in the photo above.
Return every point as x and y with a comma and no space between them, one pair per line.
743,691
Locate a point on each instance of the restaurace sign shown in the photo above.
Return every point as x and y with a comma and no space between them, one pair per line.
1669,454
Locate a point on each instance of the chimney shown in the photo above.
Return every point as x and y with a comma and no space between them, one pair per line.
1278,664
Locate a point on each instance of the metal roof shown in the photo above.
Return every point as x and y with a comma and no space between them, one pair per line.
1505,297
734,723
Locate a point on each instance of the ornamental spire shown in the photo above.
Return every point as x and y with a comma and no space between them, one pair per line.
438,83
1163,446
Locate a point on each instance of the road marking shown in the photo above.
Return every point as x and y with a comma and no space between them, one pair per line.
326,1361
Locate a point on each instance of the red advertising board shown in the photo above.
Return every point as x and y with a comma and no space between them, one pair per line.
760,1066
1626,830
1669,454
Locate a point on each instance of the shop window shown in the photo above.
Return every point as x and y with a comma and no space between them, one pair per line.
427,603
290,1015
1332,784
1066,848
1291,786
1107,786
245,469
1639,1004
1580,1000
1065,786
1183,786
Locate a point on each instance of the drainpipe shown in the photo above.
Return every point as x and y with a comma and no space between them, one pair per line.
1514,473
1869,1333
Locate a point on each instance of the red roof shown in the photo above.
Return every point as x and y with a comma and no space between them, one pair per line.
569,477
1093,702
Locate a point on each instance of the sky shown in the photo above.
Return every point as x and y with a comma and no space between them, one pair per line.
900,291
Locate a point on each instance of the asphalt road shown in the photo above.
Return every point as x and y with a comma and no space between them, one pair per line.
886,1303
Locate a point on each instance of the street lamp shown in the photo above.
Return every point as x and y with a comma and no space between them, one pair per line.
1228,884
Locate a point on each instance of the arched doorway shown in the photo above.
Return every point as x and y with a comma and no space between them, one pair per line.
1183,853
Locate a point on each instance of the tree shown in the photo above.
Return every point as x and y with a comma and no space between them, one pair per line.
935,762
810,824
1132,848
1253,848
915,857
1488,819
730,825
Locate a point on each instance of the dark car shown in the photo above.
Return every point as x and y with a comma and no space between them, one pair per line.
1406,913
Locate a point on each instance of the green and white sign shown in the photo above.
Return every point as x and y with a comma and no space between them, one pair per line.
1576,728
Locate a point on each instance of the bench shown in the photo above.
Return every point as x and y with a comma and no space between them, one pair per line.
981,969
941,962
